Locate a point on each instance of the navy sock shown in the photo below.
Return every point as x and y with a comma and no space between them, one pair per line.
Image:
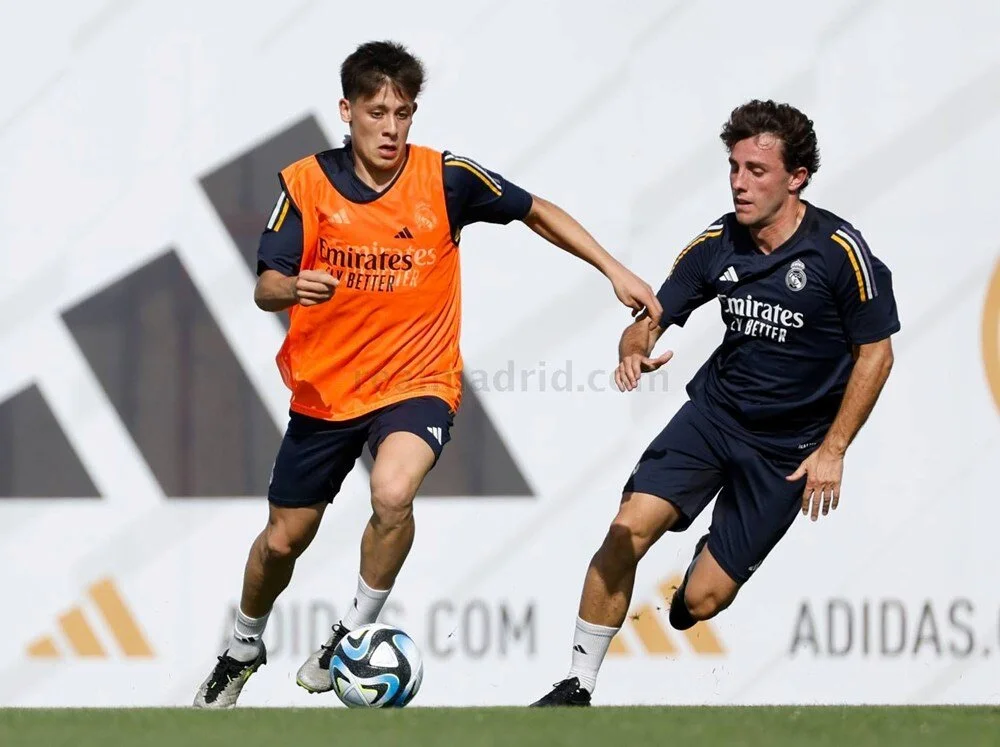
680,615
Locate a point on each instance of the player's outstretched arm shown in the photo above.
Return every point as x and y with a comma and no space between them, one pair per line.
558,227
634,348
276,292
824,467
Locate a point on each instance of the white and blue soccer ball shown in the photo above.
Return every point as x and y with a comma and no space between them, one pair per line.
376,666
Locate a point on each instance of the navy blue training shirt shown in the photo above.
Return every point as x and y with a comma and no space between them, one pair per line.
472,195
792,318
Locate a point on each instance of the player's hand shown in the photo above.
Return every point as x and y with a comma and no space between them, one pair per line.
633,366
636,294
314,287
823,470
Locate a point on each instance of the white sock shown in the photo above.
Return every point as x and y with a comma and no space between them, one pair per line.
247,632
590,644
368,602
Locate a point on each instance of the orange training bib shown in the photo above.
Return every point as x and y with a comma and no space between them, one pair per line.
391,330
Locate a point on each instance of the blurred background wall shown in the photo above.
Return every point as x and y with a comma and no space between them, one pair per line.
140,407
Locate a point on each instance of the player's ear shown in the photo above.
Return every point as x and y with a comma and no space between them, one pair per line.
797,179
414,109
345,111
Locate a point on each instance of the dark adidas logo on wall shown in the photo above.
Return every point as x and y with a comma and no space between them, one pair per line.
206,432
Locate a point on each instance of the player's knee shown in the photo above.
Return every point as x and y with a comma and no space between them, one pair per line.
633,534
282,542
392,498
619,547
705,602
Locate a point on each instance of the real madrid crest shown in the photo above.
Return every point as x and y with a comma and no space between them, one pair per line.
424,216
795,278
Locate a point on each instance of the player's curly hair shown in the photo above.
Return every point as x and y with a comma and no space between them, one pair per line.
373,64
784,121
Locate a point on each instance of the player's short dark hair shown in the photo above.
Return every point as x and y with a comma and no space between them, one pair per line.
373,64
784,121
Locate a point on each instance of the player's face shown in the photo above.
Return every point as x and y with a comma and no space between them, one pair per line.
379,127
759,181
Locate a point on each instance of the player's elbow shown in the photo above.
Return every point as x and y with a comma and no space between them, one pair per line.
274,291
258,297
876,355
887,361
264,300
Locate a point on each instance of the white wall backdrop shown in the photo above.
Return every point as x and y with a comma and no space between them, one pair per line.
113,112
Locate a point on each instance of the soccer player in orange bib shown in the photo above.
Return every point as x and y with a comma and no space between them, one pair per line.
362,250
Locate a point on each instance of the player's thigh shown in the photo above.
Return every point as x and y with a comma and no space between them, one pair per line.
681,466
312,461
407,440
428,418
753,512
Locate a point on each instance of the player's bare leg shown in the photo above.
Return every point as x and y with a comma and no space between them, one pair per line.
269,567
607,591
403,461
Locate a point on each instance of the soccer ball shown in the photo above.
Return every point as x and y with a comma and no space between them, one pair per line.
376,666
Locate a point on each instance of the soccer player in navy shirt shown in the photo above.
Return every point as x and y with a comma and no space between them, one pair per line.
809,313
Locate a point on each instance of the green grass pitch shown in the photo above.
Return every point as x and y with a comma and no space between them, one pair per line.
471,727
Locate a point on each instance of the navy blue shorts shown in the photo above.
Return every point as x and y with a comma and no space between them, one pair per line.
692,460
316,455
